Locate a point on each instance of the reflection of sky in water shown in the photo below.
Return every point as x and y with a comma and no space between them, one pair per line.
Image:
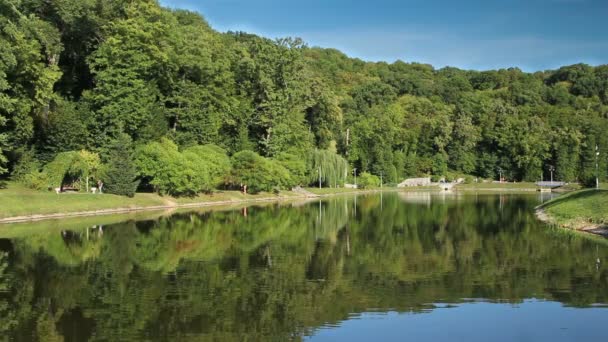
530,321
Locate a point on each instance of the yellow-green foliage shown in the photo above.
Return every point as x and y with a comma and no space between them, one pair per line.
82,165
367,180
259,173
197,169
332,168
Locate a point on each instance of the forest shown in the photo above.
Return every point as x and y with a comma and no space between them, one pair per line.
144,97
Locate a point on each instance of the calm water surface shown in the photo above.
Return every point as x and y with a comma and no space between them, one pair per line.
391,267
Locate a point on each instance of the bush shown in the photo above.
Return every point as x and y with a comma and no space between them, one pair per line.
36,180
367,180
197,169
217,163
26,165
259,173
295,165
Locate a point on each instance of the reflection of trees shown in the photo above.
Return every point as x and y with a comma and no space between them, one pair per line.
282,271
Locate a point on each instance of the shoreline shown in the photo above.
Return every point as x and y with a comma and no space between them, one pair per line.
293,196
173,205
592,228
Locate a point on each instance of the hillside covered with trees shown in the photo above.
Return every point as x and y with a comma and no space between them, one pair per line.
92,87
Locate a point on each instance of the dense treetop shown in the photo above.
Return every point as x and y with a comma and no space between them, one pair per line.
77,74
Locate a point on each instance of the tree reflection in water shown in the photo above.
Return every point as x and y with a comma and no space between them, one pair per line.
279,272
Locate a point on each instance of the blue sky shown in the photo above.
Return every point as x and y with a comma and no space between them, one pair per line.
470,34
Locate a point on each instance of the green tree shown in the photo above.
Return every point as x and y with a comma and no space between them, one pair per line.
216,161
126,68
120,174
258,173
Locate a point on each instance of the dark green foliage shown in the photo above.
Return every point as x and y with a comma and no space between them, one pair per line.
120,172
77,74
28,163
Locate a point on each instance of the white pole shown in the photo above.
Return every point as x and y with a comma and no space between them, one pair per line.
597,169
319,177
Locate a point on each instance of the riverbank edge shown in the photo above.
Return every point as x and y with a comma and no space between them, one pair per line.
512,190
591,228
278,198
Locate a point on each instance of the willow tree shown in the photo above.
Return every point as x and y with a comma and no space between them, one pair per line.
328,167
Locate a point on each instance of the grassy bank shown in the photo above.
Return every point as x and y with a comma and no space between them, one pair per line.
578,210
17,200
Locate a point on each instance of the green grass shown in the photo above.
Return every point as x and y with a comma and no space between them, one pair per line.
498,186
580,208
17,200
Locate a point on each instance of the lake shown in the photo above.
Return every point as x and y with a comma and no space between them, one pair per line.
389,267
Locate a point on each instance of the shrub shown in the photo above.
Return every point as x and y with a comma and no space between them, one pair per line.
197,169
258,173
36,180
217,163
167,169
367,180
295,165
26,165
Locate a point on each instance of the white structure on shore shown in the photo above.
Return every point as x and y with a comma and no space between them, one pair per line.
415,182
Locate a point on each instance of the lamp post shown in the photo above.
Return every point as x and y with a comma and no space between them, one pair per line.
381,174
499,175
597,168
551,169
355,173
